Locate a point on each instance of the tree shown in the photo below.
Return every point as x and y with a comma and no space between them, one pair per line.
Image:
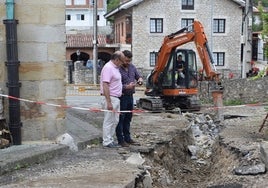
263,2
112,4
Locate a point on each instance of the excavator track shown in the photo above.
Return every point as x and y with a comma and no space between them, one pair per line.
155,104
151,104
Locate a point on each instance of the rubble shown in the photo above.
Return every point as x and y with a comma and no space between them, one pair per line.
208,152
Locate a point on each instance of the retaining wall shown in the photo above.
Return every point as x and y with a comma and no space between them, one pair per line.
240,90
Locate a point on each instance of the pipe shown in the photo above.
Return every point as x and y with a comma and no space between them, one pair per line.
10,9
12,64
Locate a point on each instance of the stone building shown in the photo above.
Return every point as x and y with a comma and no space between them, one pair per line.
41,55
146,23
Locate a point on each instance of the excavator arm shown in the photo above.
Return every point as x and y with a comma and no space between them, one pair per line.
204,53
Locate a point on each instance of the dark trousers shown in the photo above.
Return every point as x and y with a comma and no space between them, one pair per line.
123,127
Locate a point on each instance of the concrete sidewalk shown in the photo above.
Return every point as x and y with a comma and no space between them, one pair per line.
82,132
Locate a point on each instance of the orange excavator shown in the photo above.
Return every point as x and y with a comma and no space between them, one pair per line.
163,90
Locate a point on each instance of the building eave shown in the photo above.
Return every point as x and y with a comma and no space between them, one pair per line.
242,3
123,6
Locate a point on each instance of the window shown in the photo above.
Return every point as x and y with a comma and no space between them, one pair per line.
68,2
156,25
187,4
186,22
80,2
80,17
219,26
68,17
219,58
153,57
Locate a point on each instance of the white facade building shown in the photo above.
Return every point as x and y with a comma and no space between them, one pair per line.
79,15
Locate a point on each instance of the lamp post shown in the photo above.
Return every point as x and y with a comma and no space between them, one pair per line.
95,40
78,55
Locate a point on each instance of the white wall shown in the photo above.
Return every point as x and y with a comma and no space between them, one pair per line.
88,22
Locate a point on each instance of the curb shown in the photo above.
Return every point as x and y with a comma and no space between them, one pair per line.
17,157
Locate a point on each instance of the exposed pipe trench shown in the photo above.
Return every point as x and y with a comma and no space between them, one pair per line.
12,64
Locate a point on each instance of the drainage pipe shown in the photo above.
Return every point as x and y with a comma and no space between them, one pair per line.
12,65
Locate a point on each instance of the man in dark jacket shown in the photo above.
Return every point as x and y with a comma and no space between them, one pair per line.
130,76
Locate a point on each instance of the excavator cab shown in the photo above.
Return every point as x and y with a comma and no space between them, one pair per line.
185,78
175,89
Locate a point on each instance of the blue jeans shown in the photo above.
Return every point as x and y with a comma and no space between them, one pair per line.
123,127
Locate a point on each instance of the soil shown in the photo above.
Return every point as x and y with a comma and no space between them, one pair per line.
237,145
164,139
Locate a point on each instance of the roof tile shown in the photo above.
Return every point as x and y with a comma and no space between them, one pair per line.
83,40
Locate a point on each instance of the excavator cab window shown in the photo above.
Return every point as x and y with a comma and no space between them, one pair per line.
181,76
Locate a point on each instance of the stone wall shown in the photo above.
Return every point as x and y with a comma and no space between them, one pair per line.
41,53
238,90
82,74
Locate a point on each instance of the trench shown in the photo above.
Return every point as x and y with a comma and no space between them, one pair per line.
173,165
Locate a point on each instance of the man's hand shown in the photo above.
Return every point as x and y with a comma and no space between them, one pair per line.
140,81
109,105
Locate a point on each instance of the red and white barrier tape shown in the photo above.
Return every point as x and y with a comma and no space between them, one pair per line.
103,110
73,107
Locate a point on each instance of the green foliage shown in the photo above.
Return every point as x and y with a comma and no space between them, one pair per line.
112,4
20,166
257,27
233,102
260,74
264,2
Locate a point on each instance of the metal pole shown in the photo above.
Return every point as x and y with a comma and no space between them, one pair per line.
95,41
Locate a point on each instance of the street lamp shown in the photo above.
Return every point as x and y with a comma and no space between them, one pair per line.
78,55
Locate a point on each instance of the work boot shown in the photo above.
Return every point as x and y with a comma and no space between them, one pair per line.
132,142
124,144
